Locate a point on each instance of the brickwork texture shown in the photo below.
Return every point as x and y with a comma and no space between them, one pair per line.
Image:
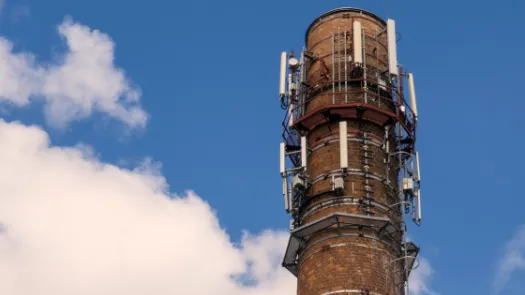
348,259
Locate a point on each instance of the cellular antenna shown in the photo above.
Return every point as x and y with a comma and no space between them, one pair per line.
282,80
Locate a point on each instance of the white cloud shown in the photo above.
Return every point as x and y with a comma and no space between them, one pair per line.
20,77
513,260
419,280
72,225
84,80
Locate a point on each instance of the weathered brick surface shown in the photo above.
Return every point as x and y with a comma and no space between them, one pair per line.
320,41
349,263
343,260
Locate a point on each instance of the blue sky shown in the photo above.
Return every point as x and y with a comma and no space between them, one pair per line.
208,74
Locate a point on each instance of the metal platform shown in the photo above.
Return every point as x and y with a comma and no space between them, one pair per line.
382,227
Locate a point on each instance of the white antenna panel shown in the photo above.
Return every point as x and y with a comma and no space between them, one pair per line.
304,154
282,81
290,84
285,194
412,90
358,43
290,115
419,204
289,196
417,165
392,47
282,158
343,144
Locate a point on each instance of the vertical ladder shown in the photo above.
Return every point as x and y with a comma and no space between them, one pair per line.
366,155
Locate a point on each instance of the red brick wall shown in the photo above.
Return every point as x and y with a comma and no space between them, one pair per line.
348,262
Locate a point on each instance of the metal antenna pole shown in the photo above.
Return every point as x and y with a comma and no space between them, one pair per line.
333,68
346,71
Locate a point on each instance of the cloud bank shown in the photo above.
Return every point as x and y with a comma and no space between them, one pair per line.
83,81
512,261
74,225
